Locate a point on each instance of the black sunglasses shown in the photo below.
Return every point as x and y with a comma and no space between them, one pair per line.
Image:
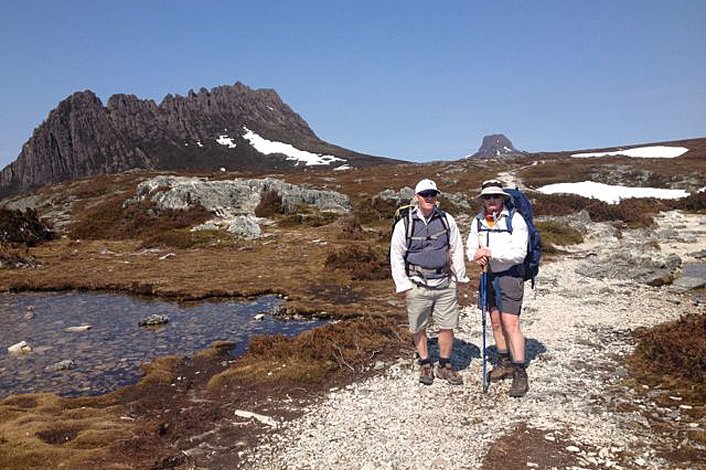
491,196
429,193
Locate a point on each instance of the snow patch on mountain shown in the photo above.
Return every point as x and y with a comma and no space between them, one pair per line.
655,151
612,194
268,147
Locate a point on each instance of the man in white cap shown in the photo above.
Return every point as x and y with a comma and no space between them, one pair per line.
501,252
426,258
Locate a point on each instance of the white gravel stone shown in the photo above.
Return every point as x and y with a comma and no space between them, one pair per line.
576,330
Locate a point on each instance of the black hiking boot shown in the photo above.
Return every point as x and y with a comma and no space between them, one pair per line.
520,382
502,370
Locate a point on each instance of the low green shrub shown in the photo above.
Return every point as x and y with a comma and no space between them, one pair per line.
556,233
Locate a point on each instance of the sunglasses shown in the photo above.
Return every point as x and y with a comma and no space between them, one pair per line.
429,194
491,196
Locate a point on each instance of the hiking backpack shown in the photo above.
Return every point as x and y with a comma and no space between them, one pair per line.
405,212
518,202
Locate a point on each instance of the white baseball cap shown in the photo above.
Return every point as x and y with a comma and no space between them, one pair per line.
425,185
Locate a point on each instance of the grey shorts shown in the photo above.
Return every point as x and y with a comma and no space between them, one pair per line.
505,293
424,304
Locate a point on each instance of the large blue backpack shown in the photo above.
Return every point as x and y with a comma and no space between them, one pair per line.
519,203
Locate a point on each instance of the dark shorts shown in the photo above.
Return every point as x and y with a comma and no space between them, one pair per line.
505,293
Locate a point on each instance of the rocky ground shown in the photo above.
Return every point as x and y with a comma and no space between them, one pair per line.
579,412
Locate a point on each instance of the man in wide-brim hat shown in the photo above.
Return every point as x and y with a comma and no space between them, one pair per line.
501,253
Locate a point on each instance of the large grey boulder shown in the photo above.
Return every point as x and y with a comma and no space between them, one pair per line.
237,196
654,271
233,202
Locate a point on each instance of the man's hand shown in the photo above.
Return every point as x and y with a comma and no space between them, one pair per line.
481,256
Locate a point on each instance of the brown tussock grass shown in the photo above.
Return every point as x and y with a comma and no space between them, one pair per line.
44,430
315,354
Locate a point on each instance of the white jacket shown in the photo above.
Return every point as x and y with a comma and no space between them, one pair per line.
506,250
398,247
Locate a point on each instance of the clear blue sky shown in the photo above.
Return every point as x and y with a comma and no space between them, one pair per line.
417,80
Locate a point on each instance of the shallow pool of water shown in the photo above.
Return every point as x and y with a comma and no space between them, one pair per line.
109,354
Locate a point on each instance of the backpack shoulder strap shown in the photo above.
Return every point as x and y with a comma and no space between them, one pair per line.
444,220
510,215
408,226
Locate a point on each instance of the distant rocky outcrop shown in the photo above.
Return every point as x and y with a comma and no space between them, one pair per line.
203,130
234,202
497,146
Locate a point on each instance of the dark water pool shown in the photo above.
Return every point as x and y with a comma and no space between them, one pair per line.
109,354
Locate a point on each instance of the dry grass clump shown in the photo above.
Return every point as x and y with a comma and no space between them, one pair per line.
347,345
112,220
160,370
45,431
361,262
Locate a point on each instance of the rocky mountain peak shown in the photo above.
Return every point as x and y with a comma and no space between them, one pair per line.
204,130
496,146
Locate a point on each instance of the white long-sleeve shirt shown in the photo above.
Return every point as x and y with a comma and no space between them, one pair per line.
398,247
506,250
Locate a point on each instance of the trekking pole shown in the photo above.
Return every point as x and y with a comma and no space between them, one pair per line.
483,298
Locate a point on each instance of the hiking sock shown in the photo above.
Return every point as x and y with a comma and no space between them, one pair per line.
503,356
424,361
443,361
520,366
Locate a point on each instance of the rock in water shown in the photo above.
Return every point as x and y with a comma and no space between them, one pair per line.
77,329
154,320
18,348
61,365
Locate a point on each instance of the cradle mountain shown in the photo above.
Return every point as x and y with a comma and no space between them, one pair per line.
205,130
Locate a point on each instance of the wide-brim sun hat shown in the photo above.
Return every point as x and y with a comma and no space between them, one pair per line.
492,188
425,185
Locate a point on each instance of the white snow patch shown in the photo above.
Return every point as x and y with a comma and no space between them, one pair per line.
199,144
655,151
612,194
268,147
225,140
343,167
